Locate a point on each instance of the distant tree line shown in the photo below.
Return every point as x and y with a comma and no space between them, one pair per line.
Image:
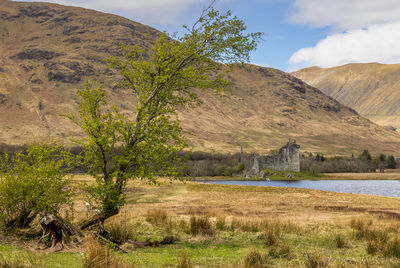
364,162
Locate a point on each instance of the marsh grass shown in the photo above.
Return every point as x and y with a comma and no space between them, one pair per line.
340,241
261,224
392,248
24,261
316,260
256,259
270,237
156,216
100,256
281,251
201,226
184,261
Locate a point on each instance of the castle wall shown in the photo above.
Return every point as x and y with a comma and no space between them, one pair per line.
288,159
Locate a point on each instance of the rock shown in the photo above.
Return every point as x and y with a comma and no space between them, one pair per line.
72,40
3,98
36,54
290,176
68,72
69,30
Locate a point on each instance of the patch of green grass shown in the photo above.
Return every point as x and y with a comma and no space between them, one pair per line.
286,175
44,260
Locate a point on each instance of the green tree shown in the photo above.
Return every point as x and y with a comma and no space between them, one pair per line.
365,156
34,182
391,162
160,80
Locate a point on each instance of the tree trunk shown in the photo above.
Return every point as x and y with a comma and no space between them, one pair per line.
56,228
22,221
98,218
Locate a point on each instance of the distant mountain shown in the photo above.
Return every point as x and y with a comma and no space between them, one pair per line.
47,51
372,89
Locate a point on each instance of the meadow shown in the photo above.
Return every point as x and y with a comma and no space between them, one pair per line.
189,224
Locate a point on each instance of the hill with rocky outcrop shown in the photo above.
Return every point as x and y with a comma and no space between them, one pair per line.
47,51
372,89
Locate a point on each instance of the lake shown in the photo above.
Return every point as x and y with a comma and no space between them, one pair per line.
373,187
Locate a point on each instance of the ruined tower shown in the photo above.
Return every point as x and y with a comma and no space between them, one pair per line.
288,159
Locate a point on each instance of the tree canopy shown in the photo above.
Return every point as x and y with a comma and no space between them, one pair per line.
143,145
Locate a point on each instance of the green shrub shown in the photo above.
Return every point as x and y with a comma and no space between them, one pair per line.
228,171
34,182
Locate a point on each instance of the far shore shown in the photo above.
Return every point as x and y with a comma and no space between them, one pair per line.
393,174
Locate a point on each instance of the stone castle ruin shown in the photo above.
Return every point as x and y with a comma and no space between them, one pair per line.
288,159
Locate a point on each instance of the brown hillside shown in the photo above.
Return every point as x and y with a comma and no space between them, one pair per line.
47,51
371,89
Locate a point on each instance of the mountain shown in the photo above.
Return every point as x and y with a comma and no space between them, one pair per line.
47,51
372,89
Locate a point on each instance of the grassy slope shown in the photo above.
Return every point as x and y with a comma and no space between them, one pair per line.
309,223
267,106
372,89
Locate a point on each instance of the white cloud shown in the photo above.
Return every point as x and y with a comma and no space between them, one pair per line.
147,11
378,43
345,14
361,31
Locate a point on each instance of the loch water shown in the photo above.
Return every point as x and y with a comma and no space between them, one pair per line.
389,188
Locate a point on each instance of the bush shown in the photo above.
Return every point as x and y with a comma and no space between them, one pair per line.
201,226
34,182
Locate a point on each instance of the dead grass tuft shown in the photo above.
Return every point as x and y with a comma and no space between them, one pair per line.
99,256
316,261
201,226
156,216
255,259
184,261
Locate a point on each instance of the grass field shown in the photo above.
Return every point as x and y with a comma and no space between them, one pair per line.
238,226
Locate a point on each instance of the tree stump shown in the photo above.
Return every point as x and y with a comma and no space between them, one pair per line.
56,228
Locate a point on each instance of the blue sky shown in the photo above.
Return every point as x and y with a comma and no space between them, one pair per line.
298,33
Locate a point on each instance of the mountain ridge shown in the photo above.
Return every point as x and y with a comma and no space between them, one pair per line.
372,89
47,51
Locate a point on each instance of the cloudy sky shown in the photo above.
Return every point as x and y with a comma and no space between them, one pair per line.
298,33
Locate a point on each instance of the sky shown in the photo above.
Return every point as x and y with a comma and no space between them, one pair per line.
297,33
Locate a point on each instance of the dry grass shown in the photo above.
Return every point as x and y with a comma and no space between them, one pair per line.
256,259
201,226
100,256
184,261
157,216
